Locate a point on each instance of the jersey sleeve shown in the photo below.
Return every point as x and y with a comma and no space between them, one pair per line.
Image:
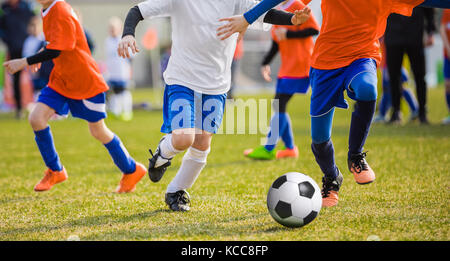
62,34
404,7
243,6
155,8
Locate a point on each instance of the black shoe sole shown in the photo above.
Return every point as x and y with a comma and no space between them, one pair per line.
365,183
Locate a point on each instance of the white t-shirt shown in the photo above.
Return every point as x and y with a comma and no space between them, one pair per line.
200,60
117,68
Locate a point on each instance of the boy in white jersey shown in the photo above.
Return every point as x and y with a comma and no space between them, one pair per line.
118,73
198,77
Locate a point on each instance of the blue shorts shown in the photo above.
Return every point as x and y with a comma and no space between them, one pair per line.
184,108
328,85
91,109
292,85
447,68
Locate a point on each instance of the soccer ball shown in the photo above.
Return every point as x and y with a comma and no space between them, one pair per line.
294,199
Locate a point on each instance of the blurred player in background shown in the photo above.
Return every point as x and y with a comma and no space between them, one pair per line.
345,57
295,44
238,54
76,85
118,73
32,45
445,33
15,15
386,99
198,78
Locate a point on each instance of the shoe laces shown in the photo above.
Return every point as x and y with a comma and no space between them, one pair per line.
182,197
359,163
327,186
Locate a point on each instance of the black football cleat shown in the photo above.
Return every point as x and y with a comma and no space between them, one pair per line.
330,190
178,201
157,164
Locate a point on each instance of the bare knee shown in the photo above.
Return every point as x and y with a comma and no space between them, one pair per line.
202,141
39,117
182,140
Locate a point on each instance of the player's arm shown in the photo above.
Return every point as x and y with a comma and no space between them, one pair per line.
34,61
239,24
265,67
436,3
133,18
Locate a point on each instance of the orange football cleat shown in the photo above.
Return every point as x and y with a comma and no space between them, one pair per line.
287,153
129,181
361,170
330,190
50,179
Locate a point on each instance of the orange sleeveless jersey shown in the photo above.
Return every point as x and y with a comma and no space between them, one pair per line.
351,29
75,74
445,22
295,53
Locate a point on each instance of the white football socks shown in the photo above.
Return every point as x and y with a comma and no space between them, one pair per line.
193,162
166,150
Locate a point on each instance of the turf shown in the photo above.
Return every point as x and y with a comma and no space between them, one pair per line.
408,201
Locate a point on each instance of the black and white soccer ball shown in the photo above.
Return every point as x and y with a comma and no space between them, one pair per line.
294,199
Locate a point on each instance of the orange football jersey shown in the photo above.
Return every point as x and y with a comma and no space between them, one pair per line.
351,29
295,52
445,22
76,74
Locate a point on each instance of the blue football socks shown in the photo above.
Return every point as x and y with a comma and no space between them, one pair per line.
44,141
120,156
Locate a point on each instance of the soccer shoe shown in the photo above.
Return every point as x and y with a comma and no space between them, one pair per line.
287,153
446,121
178,201
378,119
129,181
157,164
361,170
330,190
50,179
396,119
260,153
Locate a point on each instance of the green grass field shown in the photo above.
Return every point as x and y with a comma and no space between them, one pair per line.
409,200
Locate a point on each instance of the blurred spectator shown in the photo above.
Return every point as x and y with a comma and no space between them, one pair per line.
445,33
118,74
35,42
14,19
405,35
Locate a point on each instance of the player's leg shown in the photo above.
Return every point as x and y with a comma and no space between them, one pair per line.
363,89
194,161
278,127
287,136
132,171
416,54
179,122
323,150
412,102
394,60
48,103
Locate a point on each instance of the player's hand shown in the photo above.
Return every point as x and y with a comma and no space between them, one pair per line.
236,24
281,34
265,71
429,41
301,16
13,66
127,42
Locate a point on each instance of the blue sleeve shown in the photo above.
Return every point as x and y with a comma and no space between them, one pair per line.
253,14
436,3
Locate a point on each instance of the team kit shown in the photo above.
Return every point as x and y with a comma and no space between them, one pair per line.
344,58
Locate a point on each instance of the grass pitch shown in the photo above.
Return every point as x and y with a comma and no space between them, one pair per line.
408,201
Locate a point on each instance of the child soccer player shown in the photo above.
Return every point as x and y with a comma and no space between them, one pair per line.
345,57
76,85
445,33
197,80
295,44
118,72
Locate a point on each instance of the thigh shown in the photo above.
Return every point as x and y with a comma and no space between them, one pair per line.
212,110
178,108
283,100
92,109
54,100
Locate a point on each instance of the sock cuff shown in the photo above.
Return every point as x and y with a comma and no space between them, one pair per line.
42,131
197,155
115,140
170,144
